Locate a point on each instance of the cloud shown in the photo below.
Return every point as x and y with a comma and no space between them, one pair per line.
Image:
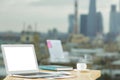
51,2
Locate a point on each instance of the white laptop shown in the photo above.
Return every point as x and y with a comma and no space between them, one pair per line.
20,60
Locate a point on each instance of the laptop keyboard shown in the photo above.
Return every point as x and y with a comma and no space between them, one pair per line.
42,75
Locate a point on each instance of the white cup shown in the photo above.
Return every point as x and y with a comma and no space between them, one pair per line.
81,66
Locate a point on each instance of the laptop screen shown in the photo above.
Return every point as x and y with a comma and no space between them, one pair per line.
19,57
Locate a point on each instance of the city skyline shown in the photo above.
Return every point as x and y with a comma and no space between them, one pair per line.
47,13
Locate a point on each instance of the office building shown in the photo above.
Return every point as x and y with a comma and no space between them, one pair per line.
71,23
94,21
83,24
99,21
84,27
114,21
91,25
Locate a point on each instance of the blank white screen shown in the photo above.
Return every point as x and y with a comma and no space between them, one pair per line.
20,58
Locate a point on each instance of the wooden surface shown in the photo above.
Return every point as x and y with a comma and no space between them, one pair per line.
76,75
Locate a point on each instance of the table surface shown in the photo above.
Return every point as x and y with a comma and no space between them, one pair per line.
75,75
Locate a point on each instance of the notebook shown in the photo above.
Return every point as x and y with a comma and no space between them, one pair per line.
56,51
56,67
20,60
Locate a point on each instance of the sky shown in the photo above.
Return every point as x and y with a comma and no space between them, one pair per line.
47,14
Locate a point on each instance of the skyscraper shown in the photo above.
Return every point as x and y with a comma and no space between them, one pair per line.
114,21
83,24
92,25
99,21
71,23
94,21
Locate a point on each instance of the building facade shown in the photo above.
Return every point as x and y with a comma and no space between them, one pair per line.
94,21
99,21
114,21
71,23
83,24
91,25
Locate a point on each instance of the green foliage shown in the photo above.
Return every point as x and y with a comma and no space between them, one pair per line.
1,78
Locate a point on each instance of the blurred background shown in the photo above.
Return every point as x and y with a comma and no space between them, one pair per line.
86,28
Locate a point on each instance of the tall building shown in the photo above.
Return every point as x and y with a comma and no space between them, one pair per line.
114,21
83,24
71,23
99,21
94,21
91,25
